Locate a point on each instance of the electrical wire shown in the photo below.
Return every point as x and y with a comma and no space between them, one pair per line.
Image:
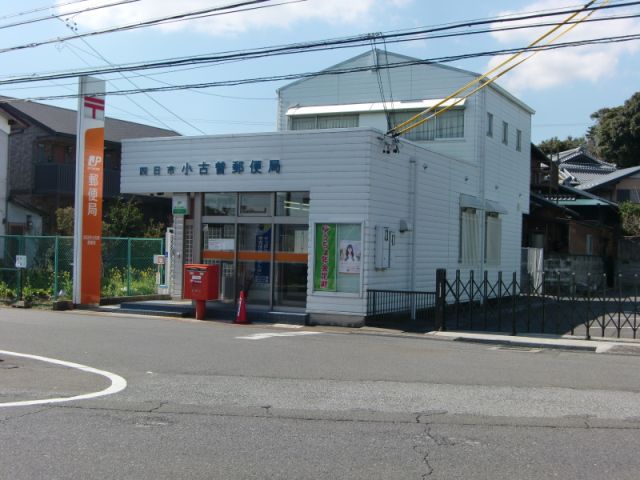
58,16
198,14
321,45
554,33
40,9
104,59
297,76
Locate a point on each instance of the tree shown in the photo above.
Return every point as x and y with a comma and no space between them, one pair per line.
616,133
630,216
64,221
123,218
555,145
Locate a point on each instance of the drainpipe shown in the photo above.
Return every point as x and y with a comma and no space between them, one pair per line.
412,218
482,156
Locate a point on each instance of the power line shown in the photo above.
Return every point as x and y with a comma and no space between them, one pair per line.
104,59
208,12
320,45
297,76
52,17
40,9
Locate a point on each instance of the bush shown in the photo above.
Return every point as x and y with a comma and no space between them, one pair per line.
7,294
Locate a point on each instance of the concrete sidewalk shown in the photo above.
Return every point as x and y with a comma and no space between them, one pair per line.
565,342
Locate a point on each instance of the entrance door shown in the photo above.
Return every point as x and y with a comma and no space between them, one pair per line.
291,259
254,274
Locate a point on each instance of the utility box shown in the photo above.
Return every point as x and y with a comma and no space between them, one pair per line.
201,282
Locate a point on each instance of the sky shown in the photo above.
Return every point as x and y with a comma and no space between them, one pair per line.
563,86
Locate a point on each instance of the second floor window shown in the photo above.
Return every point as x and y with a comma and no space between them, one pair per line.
505,133
315,122
449,124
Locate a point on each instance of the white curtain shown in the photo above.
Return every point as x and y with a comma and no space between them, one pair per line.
450,124
494,239
469,236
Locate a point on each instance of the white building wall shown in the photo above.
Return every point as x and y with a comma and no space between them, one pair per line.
508,174
333,165
351,180
415,82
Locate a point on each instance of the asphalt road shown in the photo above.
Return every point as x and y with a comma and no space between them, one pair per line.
210,400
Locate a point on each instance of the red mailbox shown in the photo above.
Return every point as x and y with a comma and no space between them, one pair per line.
201,284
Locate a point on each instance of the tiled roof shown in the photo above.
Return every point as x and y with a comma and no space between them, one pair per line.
63,121
580,166
611,177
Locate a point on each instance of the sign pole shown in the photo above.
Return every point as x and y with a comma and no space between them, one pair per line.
87,232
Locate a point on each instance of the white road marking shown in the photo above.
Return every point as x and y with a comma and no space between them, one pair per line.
262,336
286,325
117,382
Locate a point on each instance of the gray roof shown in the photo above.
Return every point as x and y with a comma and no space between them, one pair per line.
610,178
581,166
63,121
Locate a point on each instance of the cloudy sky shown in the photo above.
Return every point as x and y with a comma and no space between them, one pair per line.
564,86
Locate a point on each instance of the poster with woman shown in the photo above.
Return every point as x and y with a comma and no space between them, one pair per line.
350,253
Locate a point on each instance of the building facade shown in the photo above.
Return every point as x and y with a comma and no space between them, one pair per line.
312,216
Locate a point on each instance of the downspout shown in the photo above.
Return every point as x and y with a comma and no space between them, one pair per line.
412,218
482,156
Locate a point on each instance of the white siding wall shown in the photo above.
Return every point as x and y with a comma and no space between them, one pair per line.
507,173
417,82
333,165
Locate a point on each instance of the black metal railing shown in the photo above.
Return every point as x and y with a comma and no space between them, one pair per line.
406,310
550,303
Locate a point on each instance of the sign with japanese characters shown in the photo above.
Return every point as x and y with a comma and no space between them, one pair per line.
88,194
324,272
217,168
180,204
21,261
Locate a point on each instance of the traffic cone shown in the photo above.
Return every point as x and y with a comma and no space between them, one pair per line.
241,316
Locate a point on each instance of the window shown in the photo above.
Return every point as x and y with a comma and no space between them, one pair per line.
324,121
519,140
449,124
220,204
469,242
589,245
292,204
338,257
489,124
255,204
493,238
623,195
505,133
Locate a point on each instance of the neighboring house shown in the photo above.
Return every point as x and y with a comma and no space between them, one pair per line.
5,128
569,223
619,186
578,166
41,161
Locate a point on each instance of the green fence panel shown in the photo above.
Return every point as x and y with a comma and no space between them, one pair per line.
127,266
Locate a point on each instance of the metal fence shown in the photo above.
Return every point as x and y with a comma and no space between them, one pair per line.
127,266
401,309
554,304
